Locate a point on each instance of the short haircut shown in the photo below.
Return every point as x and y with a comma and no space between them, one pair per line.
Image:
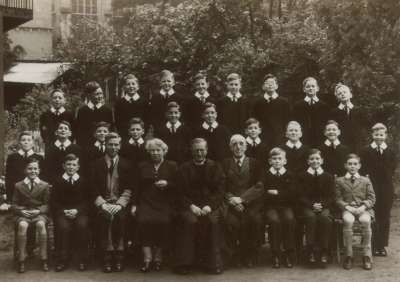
32,159
353,156
136,120
91,87
314,151
173,104
251,121
236,138
341,85
130,77
67,123
198,141
233,76
166,73
209,105
200,75
307,79
112,135
276,151
329,122
293,123
25,133
271,76
70,157
379,126
56,90
102,124
158,143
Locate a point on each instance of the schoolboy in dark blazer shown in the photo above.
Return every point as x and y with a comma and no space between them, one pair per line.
256,147
91,113
69,203
98,148
216,135
175,134
379,163
233,108
243,197
50,119
131,105
16,162
333,151
272,111
311,113
316,201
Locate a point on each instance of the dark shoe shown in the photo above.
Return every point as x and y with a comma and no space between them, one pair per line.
348,263
275,262
311,258
82,266
182,270
157,266
217,270
45,265
118,267
367,264
376,253
250,263
289,261
145,267
383,252
107,267
60,267
324,260
21,267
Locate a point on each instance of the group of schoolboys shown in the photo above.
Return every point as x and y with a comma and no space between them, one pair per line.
89,171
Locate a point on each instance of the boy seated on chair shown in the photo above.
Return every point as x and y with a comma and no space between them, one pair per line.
356,198
30,205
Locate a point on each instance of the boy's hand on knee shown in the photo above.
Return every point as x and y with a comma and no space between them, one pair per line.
133,211
206,210
196,210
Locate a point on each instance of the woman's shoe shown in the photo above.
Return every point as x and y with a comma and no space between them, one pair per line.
145,267
157,265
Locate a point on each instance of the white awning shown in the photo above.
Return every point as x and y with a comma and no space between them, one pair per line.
37,73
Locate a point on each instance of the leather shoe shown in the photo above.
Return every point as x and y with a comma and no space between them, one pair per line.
348,263
118,267
275,262
157,266
145,267
217,270
82,266
107,267
383,253
21,267
367,264
288,261
45,265
324,260
311,258
60,267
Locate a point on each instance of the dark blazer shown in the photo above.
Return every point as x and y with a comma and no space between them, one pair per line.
134,154
86,120
334,158
296,158
37,198
312,119
124,111
15,171
273,117
49,121
178,142
65,195
233,114
217,141
242,182
285,186
194,110
201,185
260,152
350,125
158,107
316,189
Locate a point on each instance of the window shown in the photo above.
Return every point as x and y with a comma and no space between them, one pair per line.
84,7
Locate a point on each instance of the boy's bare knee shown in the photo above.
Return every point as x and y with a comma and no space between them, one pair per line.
22,227
41,226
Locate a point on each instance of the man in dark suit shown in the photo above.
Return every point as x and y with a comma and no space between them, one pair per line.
202,182
112,188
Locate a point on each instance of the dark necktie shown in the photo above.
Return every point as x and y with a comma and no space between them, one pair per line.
352,179
71,180
57,112
379,149
278,174
31,183
26,155
111,168
202,99
62,147
173,128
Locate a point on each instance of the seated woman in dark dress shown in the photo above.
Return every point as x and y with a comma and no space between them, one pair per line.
153,204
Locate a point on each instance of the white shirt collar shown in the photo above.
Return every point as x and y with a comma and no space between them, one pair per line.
93,106
329,143
270,97
252,141
75,177
27,181
296,145
29,153
206,126
230,96
66,143
348,104
176,125
199,96
135,97
60,110
281,171
140,141
348,175
308,99
311,171
383,145
169,93
98,143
